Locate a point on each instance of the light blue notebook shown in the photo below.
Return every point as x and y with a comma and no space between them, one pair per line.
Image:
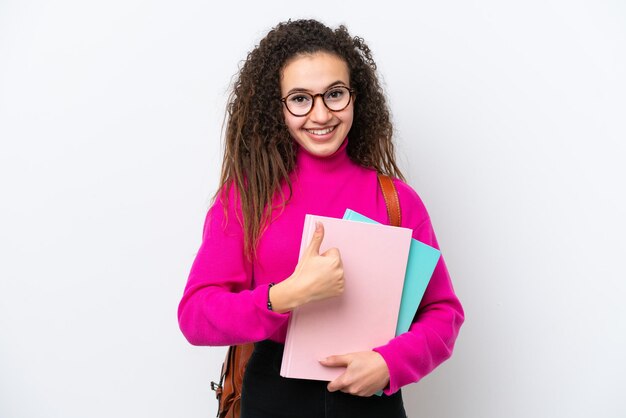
422,261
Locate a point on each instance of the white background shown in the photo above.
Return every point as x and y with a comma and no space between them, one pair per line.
510,120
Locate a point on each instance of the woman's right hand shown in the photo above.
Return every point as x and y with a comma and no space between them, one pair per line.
317,276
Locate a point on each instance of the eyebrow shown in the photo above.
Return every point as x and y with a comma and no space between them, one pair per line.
300,89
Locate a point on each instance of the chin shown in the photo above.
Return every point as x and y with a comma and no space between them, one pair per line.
321,150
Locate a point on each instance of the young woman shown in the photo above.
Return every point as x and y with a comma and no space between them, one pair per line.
308,129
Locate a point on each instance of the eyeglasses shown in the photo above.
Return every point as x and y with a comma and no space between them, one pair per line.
335,99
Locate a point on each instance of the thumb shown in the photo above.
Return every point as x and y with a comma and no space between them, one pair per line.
316,241
336,361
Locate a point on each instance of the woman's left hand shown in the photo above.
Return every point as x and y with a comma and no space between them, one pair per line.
366,373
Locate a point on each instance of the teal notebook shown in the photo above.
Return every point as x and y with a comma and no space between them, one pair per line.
422,261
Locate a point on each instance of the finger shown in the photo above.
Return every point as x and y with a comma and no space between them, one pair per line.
336,384
336,361
316,241
332,252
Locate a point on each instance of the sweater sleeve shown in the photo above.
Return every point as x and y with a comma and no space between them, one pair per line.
430,339
218,306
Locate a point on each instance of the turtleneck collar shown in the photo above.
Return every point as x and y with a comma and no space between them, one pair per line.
308,163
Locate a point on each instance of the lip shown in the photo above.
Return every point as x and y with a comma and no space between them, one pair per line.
320,138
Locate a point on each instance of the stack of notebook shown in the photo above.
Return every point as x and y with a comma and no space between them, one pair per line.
386,273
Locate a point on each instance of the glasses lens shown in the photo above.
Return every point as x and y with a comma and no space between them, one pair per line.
299,103
337,98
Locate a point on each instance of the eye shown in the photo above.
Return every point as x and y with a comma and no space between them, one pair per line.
299,99
335,94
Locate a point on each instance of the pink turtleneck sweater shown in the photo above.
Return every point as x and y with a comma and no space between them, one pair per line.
225,300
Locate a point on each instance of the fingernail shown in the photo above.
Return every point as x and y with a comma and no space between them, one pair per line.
318,226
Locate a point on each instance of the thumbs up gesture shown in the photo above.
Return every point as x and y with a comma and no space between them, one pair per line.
317,276
320,276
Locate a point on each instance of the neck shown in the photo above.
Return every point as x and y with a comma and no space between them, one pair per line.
307,163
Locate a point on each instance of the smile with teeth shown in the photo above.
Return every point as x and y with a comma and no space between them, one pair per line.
321,131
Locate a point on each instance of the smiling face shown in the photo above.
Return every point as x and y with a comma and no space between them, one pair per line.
322,131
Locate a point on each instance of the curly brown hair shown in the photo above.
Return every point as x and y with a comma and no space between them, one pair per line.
259,153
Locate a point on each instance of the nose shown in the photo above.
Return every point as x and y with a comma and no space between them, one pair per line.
320,113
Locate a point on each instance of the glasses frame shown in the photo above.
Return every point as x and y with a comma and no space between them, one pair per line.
314,96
